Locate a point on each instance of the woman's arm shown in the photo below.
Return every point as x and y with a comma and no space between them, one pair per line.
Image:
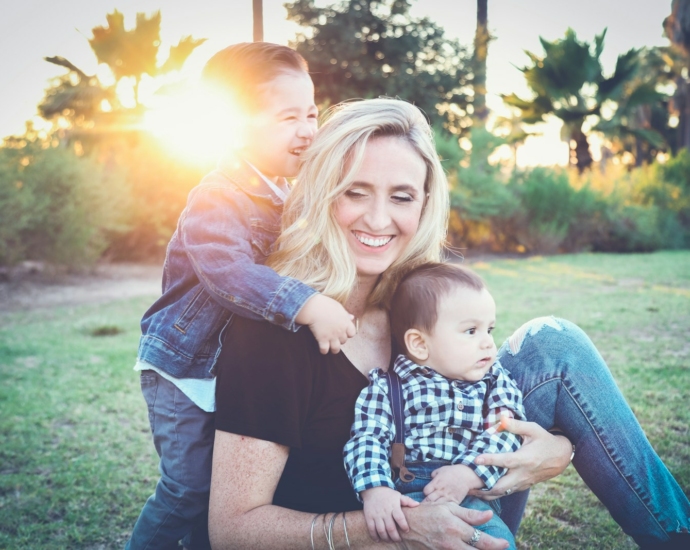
245,475
541,457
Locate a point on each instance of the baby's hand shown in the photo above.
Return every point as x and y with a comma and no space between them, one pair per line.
451,484
382,511
329,321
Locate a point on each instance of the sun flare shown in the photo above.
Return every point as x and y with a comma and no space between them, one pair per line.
195,124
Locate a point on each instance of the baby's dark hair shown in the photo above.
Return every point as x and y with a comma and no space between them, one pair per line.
242,69
416,299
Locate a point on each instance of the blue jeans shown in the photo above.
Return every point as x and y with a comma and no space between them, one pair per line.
414,489
183,436
567,386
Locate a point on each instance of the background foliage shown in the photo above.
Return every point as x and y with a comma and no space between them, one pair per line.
57,207
99,185
369,48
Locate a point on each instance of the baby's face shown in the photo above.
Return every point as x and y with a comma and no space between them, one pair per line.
461,346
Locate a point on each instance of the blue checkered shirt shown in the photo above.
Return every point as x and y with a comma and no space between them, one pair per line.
446,420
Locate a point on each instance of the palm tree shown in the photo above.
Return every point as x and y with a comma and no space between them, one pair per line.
512,130
75,94
258,17
481,49
79,97
92,111
677,29
640,123
133,53
567,81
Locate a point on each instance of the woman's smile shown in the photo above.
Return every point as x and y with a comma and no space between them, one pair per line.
373,241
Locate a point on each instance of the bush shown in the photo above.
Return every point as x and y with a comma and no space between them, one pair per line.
549,210
644,210
159,184
55,206
553,215
480,200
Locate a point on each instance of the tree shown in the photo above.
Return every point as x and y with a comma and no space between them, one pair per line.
75,94
84,101
258,20
481,50
133,53
368,48
568,82
677,29
512,130
640,123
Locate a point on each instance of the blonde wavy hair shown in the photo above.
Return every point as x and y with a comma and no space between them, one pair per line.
312,247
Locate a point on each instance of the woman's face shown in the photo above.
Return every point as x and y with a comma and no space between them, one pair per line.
380,212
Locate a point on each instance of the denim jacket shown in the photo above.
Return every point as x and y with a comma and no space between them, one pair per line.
214,268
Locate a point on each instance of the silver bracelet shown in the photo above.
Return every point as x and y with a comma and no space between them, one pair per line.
347,539
311,531
329,537
325,530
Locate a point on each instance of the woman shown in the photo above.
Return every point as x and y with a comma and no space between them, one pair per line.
372,203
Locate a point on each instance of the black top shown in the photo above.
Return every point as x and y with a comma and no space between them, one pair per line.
275,385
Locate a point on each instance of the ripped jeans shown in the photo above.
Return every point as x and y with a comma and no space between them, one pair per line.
566,385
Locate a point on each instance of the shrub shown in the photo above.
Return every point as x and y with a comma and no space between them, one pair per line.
548,210
480,200
159,183
644,210
553,215
55,206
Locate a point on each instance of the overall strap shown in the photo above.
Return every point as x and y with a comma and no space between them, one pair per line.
395,396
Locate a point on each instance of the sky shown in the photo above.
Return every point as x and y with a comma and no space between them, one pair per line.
33,29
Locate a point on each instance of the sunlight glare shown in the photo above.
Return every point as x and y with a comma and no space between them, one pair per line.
196,124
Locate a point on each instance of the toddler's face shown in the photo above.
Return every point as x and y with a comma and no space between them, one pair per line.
284,126
461,346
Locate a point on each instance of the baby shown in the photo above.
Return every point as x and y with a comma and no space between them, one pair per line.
453,395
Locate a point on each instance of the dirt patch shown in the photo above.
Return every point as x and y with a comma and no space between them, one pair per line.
39,288
34,285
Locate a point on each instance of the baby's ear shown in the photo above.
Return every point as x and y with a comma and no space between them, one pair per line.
416,345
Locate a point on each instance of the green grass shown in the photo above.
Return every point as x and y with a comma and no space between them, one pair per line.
636,309
76,459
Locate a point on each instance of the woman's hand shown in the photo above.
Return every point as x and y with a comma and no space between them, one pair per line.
541,457
447,525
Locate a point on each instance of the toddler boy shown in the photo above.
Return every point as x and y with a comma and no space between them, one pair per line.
454,393
214,268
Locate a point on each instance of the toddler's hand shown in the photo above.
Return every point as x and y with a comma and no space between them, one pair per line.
382,511
329,321
451,484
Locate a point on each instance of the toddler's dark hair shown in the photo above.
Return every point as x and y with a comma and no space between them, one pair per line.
416,299
242,69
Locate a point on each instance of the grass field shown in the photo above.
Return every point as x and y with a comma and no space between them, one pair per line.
76,461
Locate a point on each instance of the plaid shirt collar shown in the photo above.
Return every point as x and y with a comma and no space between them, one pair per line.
408,371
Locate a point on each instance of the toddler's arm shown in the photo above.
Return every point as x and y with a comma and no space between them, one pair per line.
216,232
383,513
371,437
328,320
217,237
